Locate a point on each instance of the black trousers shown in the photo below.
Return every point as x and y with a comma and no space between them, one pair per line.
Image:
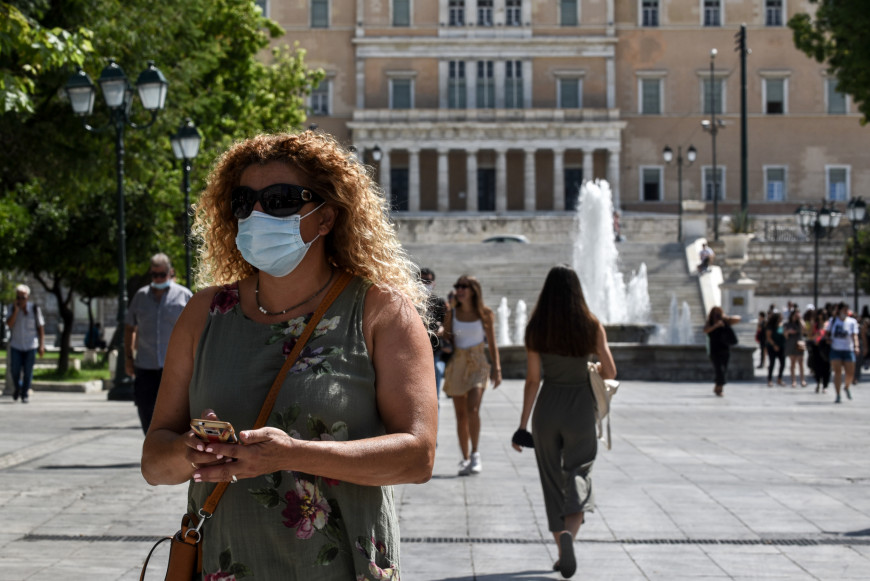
720,364
145,394
774,356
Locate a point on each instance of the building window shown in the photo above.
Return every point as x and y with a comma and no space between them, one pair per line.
774,184
263,5
320,99
484,12
399,187
401,12
649,13
401,93
456,85
319,13
513,12
838,183
513,85
773,12
836,99
717,88
457,12
570,94
485,85
774,96
708,183
712,12
650,184
650,96
568,13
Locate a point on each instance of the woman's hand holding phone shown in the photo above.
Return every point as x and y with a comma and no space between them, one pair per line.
205,435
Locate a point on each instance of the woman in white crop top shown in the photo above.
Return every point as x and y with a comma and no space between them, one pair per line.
471,327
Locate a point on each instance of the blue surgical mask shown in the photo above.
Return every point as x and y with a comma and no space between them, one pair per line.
160,285
271,244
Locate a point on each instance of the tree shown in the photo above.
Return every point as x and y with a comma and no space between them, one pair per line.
57,183
837,35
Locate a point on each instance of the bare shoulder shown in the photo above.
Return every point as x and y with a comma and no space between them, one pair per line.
384,305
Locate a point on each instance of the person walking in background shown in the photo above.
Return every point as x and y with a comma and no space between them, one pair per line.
795,345
821,353
436,309
561,337
28,339
150,319
722,337
775,342
842,331
760,337
470,325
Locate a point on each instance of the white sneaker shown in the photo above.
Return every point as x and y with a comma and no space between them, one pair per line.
464,467
476,465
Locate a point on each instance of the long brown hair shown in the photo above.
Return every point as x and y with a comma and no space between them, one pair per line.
716,313
562,323
477,303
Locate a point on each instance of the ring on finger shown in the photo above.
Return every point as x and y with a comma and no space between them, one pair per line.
194,465
234,479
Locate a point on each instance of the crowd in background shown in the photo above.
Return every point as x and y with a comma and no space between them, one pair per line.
824,343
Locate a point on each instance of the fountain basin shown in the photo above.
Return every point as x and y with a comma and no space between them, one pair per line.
628,333
651,362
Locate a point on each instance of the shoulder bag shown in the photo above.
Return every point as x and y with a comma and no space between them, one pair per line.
729,335
603,390
185,546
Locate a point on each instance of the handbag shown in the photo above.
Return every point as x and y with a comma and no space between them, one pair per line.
603,390
729,335
185,546
801,346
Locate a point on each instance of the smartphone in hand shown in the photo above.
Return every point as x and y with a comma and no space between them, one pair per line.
214,431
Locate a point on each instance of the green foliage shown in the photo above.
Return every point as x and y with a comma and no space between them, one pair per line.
742,223
58,184
837,35
28,49
860,262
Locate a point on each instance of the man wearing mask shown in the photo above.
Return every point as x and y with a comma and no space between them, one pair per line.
149,323
28,337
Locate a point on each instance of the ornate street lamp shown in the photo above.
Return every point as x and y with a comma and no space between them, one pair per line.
819,224
185,147
377,154
857,214
691,155
118,95
712,126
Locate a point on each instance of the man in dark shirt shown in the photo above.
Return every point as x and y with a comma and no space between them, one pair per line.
436,308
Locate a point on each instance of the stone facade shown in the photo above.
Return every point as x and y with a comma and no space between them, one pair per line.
505,106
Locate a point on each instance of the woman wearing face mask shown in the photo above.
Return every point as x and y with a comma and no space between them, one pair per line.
282,218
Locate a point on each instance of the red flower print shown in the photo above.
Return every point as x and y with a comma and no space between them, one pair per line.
226,298
306,510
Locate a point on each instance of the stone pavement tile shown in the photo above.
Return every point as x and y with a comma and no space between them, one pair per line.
436,561
449,521
759,562
831,562
824,511
670,562
506,522
527,562
604,562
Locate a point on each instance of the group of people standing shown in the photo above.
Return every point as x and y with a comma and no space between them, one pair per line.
827,341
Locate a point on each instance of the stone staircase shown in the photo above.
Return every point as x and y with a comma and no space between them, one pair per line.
517,271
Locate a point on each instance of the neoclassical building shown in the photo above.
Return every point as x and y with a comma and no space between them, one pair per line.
506,106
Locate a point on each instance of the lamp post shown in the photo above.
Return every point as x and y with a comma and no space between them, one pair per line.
377,154
118,94
819,224
185,147
712,126
857,214
691,155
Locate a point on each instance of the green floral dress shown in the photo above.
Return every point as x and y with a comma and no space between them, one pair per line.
289,525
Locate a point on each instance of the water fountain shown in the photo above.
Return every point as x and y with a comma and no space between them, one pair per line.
520,320
503,332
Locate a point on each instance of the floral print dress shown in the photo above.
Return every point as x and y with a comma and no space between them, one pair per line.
289,525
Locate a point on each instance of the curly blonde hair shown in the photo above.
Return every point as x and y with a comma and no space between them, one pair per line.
362,241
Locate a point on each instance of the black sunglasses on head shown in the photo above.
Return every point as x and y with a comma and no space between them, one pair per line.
279,200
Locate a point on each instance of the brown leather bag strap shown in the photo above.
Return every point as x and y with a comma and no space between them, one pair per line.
339,285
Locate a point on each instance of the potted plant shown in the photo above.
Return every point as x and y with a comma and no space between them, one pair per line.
742,227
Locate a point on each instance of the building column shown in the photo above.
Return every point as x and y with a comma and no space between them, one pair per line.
558,179
414,180
588,165
384,174
471,180
530,193
443,170
501,180
613,177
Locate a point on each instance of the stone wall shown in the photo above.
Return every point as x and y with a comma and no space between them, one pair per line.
786,268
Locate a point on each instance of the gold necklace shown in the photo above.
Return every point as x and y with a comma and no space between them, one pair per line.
288,309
